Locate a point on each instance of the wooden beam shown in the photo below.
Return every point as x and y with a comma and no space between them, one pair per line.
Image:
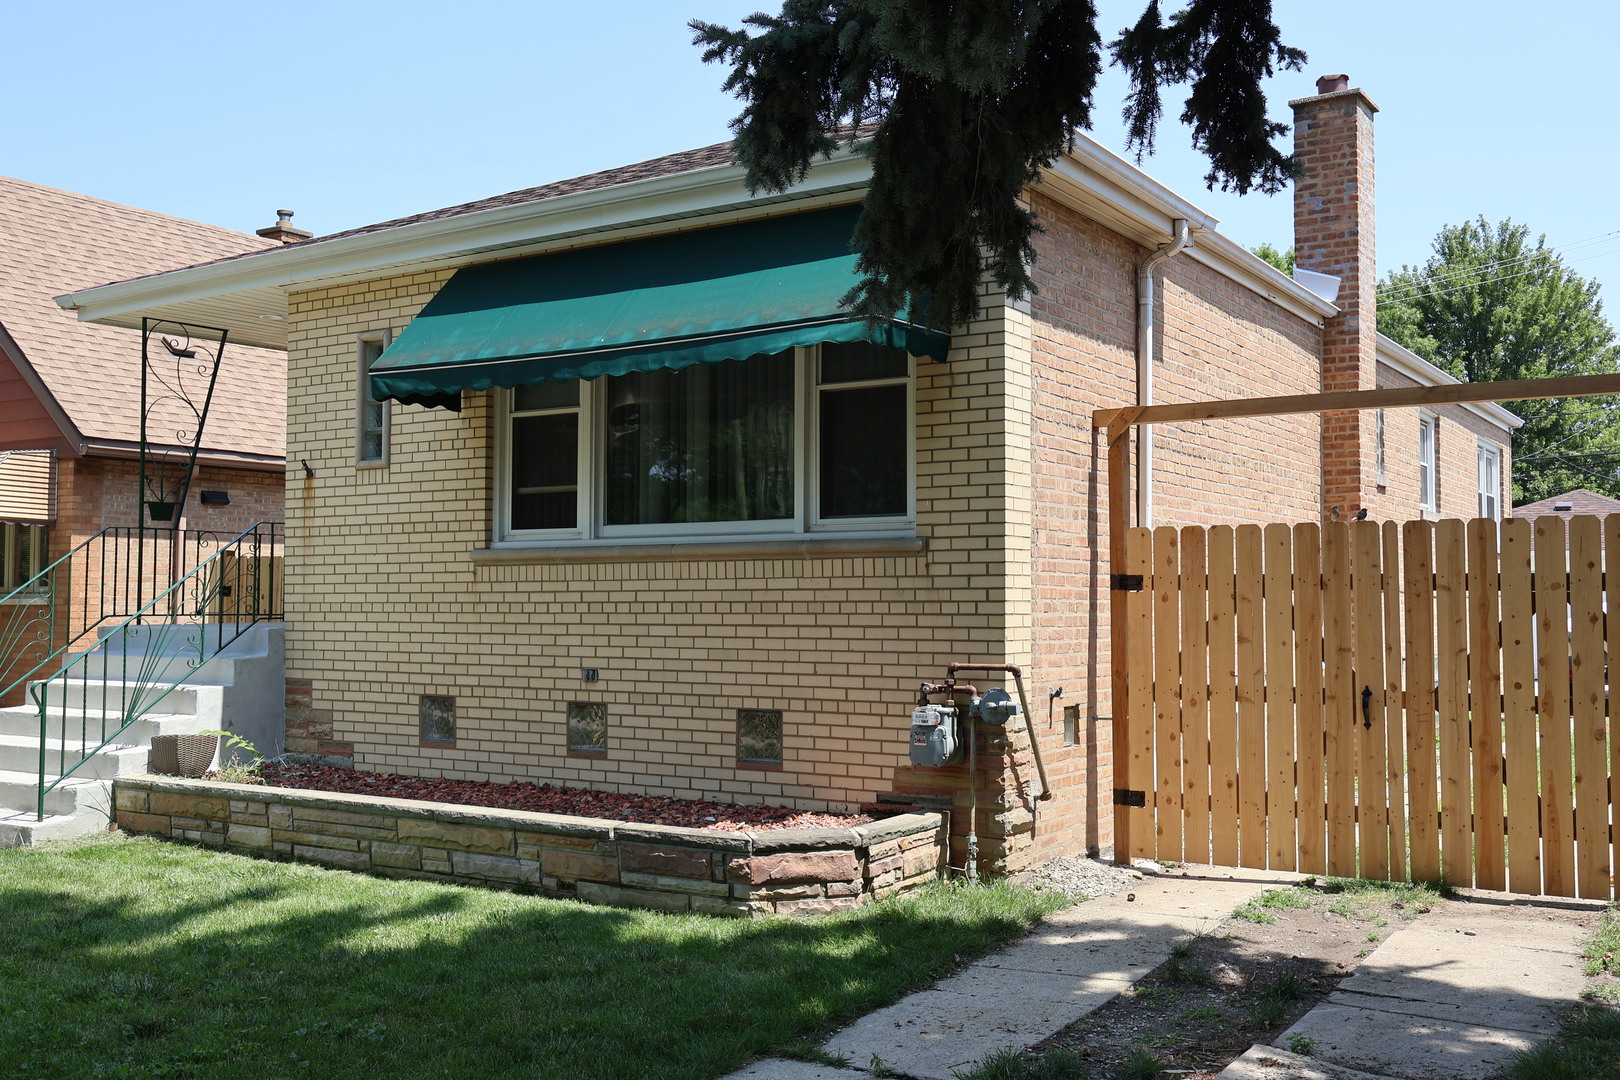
1119,502
1569,386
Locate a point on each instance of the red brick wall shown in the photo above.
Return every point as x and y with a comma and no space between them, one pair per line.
1217,340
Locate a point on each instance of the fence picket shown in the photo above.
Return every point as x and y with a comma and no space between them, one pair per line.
1251,686
1195,656
1223,792
1588,663
1611,547
1485,704
1394,697
1339,707
1166,794
1519,710
1372,789
1422,767
1281,802
1136,763
1451,704
1553,712
1308,683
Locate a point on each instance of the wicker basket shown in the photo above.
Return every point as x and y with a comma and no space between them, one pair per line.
183,755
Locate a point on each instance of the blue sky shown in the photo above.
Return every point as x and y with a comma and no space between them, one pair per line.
352,112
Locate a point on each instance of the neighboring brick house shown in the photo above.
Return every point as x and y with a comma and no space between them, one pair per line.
70,390
727,580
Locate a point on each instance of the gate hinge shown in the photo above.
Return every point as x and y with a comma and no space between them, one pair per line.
1125,582
1128,797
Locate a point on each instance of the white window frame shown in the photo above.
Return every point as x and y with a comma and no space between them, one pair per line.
804,522
1428,462
1380,448
362,396
1490,486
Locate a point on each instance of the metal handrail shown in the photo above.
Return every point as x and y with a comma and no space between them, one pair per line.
232,590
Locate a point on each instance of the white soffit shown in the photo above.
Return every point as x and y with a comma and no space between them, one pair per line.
1404,361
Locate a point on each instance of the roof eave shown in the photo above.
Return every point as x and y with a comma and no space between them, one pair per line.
1423,373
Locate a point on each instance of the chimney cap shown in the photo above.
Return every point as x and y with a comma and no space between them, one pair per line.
284,230
1332,84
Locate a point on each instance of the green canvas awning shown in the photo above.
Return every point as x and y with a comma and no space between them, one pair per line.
700,297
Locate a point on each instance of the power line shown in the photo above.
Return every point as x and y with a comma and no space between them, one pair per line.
1538,253
1419,289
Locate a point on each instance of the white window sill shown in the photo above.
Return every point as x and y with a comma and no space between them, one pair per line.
35,600
663,550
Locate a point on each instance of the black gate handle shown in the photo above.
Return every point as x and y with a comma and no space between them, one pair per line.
1366,707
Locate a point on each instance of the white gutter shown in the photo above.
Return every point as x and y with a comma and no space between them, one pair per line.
363,255
1145,325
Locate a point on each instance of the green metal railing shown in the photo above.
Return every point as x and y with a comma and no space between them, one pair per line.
143,658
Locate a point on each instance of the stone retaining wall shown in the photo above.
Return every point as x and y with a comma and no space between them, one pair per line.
798,871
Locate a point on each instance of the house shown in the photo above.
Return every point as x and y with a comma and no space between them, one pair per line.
642,509
70,398
1567,505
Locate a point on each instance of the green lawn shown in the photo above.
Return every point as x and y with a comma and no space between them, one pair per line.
131,958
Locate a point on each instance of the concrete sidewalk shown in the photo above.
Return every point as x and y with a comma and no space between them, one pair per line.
1072,963
1451,996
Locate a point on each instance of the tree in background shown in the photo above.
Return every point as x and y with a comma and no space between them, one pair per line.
1282,260
1491,304
960,105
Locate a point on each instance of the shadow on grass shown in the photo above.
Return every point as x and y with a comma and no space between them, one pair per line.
134,959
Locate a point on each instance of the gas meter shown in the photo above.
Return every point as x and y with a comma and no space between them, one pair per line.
933,736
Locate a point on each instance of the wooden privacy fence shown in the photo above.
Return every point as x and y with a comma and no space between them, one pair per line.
1417,700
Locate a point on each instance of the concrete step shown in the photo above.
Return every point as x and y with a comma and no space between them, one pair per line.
18,828
24,720
112,695
20,753
20,790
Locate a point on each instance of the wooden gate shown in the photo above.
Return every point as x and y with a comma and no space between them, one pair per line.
1419,700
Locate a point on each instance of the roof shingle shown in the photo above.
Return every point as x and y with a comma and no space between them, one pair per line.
53,242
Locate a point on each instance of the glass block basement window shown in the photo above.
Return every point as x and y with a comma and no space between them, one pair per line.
438,719
759,736
587,728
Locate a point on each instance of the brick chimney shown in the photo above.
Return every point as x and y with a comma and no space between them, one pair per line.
284,230
1335,233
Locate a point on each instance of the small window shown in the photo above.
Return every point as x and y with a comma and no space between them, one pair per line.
1428,439
545,456
1071,725
759,736
438,720
370,417
864,441
587,728
1490,482
1380,462
23,550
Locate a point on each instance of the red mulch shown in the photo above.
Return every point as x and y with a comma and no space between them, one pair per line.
546,799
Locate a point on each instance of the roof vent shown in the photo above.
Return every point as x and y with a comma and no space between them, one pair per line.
1565,507
284,230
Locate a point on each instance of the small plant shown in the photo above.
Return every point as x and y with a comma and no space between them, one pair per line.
1141,1065
238,772
1282,899
1600,951
1300,1044
1254,913
1008,1065
878,1067
1177,970
808,1050
1372,935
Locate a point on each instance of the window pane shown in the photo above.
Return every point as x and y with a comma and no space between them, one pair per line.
545,471
587,728
859,361
863,452
759,736
707,443
552,395
438,715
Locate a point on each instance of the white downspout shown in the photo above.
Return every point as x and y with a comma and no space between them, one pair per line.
1181,240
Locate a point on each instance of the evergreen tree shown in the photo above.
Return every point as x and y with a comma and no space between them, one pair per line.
1491,304
961,103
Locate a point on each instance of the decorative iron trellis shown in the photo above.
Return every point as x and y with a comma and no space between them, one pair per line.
179,369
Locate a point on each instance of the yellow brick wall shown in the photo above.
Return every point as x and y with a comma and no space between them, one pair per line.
384,602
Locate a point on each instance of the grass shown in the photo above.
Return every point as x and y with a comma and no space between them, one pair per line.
1587,1047
1600,951
131,958
1008,1065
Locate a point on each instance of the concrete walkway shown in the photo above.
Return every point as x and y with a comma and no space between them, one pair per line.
1450,996
1072,963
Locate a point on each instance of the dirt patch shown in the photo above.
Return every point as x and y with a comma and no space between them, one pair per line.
1244,981
547,799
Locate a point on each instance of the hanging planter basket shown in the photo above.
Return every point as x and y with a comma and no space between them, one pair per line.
183,755
161,511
